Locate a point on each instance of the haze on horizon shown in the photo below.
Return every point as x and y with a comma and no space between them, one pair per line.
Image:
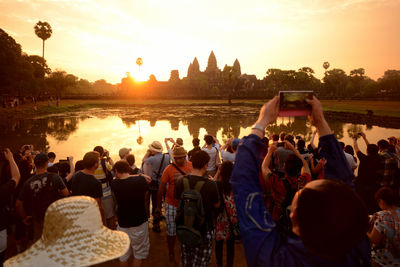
102,39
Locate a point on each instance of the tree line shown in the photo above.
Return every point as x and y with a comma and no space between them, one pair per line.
26,75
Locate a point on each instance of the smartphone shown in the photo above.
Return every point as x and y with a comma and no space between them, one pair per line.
63,161
293,103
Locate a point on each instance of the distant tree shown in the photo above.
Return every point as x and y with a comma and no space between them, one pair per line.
101,87
357,77
59,80
43,31
389,84
40,68
335,82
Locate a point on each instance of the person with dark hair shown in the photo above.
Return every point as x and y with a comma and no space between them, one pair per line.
131,162
329,220
200,255
301,147
170,175
388,165
211,148
104,176
282,190
227,221
350,158
52,158
367,181
130,191
79,165
83,183
385,234
9,177
39,192
196,147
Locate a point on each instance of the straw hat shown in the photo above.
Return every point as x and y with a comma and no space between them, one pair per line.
179,152
73,235
156,147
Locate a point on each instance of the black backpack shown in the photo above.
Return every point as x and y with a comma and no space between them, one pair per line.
191,226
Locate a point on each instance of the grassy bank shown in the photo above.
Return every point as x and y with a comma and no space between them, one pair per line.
382,108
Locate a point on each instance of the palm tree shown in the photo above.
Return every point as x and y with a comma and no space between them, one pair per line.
43,31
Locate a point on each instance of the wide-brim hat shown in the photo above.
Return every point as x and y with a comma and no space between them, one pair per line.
179,152
156,147
73,235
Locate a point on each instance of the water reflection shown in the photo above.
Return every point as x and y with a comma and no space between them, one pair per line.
76,133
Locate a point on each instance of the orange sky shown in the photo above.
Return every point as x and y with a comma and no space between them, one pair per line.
96,39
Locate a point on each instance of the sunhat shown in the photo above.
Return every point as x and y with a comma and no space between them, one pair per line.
73,235
123,151
156,147
179,152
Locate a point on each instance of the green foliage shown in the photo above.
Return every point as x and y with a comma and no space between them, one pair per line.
389,84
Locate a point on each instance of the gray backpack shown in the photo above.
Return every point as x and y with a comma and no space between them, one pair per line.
191,226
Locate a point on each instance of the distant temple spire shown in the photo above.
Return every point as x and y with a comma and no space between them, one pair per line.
236,67
196,66
212,62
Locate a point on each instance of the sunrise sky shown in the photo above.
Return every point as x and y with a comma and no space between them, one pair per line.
96,39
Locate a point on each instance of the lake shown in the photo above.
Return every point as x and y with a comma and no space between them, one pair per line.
75,133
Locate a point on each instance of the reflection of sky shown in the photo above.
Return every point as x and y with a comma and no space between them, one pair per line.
113,134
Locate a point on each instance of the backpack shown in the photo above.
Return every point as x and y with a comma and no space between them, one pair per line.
108,174
191,226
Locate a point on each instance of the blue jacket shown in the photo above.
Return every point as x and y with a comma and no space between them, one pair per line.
262,243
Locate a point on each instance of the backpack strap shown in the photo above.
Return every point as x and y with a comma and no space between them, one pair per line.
176,167
186,185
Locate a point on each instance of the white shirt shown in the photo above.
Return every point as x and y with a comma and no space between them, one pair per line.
350,159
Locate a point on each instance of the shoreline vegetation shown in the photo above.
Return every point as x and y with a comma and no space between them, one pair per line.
389,109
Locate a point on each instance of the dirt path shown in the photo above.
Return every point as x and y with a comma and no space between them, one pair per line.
159,253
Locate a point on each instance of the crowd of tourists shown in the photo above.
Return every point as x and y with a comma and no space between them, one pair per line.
290,203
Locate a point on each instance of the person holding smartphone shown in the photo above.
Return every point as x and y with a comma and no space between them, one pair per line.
329,220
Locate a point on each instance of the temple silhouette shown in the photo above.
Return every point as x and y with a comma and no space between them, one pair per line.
211,82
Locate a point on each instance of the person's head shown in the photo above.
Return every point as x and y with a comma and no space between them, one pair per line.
53,168
372,149
155,148
91,160
385,197
200,160
124,152
79,165
275,138
225,174
196,141
301,144
121,168
41,161
130,159
208,139
290,138
282,136
179,141
392,140
383,145
51,156
100,150
63,169
292,166
342,145
179,154
329,217
349,149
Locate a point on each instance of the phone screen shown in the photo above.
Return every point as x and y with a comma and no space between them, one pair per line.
293,103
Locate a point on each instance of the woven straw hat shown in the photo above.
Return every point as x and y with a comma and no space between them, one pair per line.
156,147
73,235
179,152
